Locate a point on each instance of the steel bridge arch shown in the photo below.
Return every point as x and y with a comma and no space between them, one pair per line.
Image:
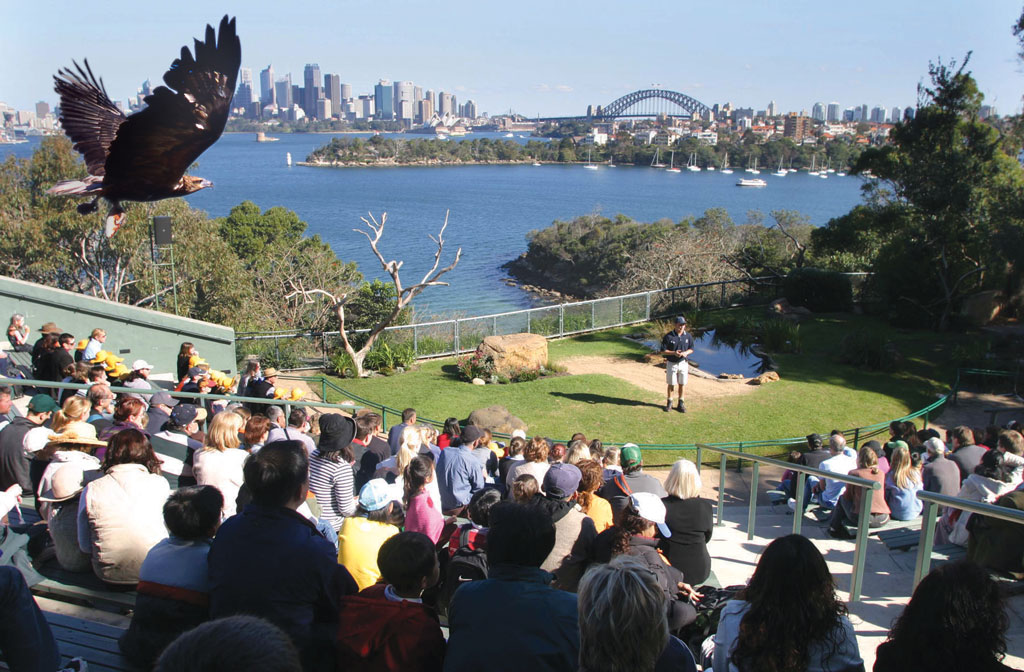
618,107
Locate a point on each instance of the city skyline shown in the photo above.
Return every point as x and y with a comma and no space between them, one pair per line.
874,54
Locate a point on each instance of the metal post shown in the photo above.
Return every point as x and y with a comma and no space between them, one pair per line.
739,462
621,301
752,509
926,415
561,319
647,308
860,551
383,418
415,342
700,455
721,301
798,512
323,347
721,490
529,314
457,348
593,315
323,389
856,438
494,326
924,545
277,350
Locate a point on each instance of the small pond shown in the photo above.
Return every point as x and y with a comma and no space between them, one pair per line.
714,356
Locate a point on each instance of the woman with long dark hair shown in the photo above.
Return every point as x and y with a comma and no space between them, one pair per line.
955,621
422,514
450,431
788,618
331,478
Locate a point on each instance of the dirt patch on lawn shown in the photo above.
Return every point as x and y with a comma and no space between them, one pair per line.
652,378
971,410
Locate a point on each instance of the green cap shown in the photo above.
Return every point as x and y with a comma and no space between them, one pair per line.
42,403
630,456
893,445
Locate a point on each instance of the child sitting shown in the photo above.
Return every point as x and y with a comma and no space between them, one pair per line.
379,516
475,530
173,590
387,626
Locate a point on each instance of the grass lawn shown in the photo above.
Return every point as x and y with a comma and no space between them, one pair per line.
815,393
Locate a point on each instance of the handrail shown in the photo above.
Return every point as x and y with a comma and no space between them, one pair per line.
931,501
349,408
860,548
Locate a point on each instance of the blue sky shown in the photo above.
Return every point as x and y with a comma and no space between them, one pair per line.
550,58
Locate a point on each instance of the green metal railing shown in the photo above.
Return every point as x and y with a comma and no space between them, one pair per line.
929,515
863,518
230,398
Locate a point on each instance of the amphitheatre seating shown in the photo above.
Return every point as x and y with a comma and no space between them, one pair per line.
96,643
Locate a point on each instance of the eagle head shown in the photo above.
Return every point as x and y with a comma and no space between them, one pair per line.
190,184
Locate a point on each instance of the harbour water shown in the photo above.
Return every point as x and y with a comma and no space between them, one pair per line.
492,208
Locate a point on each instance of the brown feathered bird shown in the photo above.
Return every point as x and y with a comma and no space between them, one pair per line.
143,157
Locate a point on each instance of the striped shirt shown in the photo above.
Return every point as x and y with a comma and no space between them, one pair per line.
333,485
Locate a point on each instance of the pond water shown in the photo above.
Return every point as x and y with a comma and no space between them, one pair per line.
714,356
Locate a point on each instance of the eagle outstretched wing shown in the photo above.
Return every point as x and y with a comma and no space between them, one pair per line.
155,147
88,115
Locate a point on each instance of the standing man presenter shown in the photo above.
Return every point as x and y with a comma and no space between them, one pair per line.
676,346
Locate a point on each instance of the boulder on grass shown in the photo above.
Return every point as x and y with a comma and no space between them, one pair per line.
513,352
495,418
764,378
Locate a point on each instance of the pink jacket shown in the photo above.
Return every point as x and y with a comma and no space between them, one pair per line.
423,516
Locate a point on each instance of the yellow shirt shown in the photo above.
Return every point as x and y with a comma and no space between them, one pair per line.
496,449
359,541
601,513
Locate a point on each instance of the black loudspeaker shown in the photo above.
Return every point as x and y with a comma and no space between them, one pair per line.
162,230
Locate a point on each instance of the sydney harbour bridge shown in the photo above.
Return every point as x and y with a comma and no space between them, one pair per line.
643,103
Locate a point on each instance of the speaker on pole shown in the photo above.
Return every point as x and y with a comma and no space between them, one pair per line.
162,230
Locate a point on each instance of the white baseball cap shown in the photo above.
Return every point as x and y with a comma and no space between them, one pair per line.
140,364
650,507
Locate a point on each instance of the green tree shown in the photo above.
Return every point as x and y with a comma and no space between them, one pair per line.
250,232
958,190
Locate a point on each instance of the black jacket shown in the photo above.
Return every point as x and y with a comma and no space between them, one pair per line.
13,463
691,522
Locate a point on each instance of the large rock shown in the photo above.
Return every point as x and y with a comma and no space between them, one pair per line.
764,378
497,419
515,351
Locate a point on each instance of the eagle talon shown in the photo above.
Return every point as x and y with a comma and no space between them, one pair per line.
113,223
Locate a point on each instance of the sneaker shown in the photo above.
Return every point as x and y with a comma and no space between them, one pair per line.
681,407
791,504
668,406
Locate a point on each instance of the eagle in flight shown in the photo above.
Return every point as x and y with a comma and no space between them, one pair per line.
143,157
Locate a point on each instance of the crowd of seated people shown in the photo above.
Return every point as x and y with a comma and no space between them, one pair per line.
349,549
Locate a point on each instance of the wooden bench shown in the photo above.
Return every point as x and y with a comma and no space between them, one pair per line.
108,600
948,553
96,643
900,539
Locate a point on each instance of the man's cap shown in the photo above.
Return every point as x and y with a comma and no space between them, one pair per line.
650,507
269,372
140,364
196,371
376,494
50,328
67,482
893,445
561,480
184,414
336,432
630,456
680,319
814,440
935,445
163,399
518,433
42,403
470,433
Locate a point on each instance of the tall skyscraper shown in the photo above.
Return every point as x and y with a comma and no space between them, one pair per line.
365,107
312,88
818,112
283,92
346,91
796,127
908,114
383,95
332,91
832,112
895,115
424,110
417,94
243,94
878,114
429,95
403,99
469,110
864,115
771,111
268,95
42,109
445,104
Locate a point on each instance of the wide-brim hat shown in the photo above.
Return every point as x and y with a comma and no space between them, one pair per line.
65,484
76,433
336,432
50,328
269,372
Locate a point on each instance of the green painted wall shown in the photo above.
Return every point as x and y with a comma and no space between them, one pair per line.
132,333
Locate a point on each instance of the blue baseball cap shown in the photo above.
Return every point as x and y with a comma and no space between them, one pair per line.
376,494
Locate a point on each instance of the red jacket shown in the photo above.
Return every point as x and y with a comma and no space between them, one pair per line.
375,633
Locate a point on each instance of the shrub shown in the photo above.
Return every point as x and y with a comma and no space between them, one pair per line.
820,291
342,365
475,365
870,349
777,335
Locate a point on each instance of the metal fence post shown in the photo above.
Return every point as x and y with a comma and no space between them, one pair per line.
924,545
323,346
856,438
621,301
926,416
529,314
700,456
593,315
647,308
457,348
752,510
494,326
739,462
415,342
860,551
798,510
721,490
561,319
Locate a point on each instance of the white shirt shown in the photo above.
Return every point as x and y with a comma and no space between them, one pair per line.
837,464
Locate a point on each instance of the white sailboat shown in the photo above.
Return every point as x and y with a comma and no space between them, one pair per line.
813,170
691,165
754,170
781,172
672,163
590,165
288,158
726,170
654,162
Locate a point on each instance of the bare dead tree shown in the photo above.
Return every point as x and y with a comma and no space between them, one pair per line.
404,295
